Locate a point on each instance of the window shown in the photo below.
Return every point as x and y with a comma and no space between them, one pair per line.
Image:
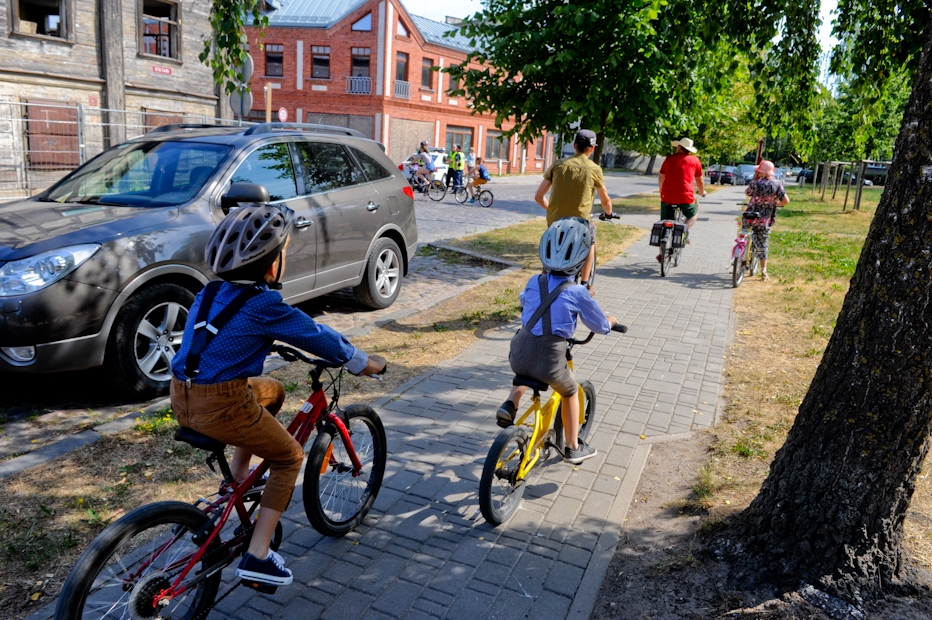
270,166
52,133
454,84
539,146
402,31
427,73
401,67
274,58
320,62
43,17
159,29
459,135
360,66
496,147
373,169
326,167
364,24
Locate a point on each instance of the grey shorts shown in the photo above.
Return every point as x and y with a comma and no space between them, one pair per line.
543,358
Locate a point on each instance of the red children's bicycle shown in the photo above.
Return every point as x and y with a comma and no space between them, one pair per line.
167,559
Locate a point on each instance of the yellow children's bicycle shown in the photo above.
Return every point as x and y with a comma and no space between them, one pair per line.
519,448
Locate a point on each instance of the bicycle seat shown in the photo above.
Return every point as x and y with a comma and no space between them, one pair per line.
534,384
198,440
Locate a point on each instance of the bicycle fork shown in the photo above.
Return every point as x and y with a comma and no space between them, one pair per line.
741,242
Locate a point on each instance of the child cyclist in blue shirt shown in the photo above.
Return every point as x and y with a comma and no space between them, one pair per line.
216,388
551,304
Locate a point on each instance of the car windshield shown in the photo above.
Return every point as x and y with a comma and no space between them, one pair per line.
729,169
142,174
746,169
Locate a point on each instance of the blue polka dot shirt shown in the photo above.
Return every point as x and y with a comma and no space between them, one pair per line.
240,348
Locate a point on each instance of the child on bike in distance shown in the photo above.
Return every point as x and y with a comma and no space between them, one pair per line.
538,350
215,387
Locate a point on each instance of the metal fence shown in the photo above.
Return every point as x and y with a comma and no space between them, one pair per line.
40,142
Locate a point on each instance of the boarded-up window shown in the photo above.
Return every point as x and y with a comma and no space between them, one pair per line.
52,133
155,118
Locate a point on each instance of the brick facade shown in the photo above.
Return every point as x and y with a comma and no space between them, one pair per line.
397,112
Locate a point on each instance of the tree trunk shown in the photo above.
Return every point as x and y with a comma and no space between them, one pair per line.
650,165
831,511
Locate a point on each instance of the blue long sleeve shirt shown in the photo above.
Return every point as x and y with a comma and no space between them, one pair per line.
239,349
573,302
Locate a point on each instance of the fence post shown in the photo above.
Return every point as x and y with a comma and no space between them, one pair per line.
857,192
848,189
82,146
815,176
827,170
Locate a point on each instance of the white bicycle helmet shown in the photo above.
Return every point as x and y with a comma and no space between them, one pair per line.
247,241
565,245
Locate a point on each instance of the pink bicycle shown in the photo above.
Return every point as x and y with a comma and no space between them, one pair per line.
743,258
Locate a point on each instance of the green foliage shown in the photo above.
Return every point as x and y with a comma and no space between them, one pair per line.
227,50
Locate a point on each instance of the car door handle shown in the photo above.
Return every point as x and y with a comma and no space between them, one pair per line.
372,206
302,223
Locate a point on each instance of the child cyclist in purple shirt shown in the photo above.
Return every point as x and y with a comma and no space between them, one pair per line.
216,388
551,304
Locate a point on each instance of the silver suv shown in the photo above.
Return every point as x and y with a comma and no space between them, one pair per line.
101,268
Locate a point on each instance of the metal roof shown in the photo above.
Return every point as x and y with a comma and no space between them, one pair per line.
326,13
433,32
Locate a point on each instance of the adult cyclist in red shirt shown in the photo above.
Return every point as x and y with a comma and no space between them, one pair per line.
675,180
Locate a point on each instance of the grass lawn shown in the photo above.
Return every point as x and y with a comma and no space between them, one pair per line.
783,327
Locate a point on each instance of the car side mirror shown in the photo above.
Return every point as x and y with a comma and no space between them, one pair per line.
243,192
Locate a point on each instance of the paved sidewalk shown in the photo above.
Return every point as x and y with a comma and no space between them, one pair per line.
425,551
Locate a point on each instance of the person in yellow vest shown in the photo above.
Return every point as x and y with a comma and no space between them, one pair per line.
457,165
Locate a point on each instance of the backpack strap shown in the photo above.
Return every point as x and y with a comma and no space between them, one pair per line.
546,300
204,330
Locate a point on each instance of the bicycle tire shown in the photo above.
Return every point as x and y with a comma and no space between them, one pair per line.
737,272
334,499
676,256
86,590
500,492
485,198
460,194
588,416
436,190
754,263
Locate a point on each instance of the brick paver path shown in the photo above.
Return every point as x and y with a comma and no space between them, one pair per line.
426,552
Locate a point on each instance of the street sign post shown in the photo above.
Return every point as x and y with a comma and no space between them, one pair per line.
760,151
241,98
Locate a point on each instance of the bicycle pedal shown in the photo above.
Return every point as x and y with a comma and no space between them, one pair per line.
263,588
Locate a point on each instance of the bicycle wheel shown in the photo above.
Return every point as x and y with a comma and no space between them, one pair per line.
753,261
676,256
585,426
460,194
486,198
334,499
437,190
500,491
739,266
134,559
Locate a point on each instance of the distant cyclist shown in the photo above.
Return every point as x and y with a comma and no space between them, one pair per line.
677,175
425,165
572,183
478,175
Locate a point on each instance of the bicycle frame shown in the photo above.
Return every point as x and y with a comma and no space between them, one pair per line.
315,410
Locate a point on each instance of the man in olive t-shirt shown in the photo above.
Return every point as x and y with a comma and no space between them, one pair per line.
572,182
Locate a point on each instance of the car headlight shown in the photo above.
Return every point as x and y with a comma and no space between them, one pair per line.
32,274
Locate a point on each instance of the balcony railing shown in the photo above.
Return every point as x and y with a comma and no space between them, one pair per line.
402,89
357,85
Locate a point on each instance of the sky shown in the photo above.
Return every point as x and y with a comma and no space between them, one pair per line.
438,10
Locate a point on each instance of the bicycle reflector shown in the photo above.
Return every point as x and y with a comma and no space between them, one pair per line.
668,224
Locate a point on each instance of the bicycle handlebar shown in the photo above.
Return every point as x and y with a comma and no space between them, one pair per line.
290,354
609,216
618,327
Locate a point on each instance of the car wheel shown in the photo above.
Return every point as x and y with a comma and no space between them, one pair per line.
145,337
381,281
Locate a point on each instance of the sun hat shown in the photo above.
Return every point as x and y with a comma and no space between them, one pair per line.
765,167
686,143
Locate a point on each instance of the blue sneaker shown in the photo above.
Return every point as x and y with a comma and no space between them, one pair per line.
270,570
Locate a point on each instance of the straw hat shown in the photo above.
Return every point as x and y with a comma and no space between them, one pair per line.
686,143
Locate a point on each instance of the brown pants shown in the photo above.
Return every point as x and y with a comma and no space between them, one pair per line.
241,413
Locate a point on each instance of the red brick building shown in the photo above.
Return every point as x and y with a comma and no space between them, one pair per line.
368,65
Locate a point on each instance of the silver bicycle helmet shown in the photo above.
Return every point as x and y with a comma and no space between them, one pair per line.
565,245
247,241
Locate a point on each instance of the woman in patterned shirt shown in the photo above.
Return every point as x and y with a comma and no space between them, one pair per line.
766,196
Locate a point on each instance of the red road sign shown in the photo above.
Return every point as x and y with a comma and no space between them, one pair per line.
283,115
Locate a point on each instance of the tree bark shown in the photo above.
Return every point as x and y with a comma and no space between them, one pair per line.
831,511
650,165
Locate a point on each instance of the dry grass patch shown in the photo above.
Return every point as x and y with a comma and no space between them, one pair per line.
783,327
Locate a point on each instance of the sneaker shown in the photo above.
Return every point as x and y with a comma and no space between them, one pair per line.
505,415
260,483
270,570
580,454
764,275
472,200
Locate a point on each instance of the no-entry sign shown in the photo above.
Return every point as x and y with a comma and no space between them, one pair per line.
283,115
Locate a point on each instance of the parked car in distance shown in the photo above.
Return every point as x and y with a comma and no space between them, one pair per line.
439,174
730,175
101,268
804,176
713,173
747,172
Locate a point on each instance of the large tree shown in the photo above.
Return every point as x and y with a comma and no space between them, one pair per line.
831,510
